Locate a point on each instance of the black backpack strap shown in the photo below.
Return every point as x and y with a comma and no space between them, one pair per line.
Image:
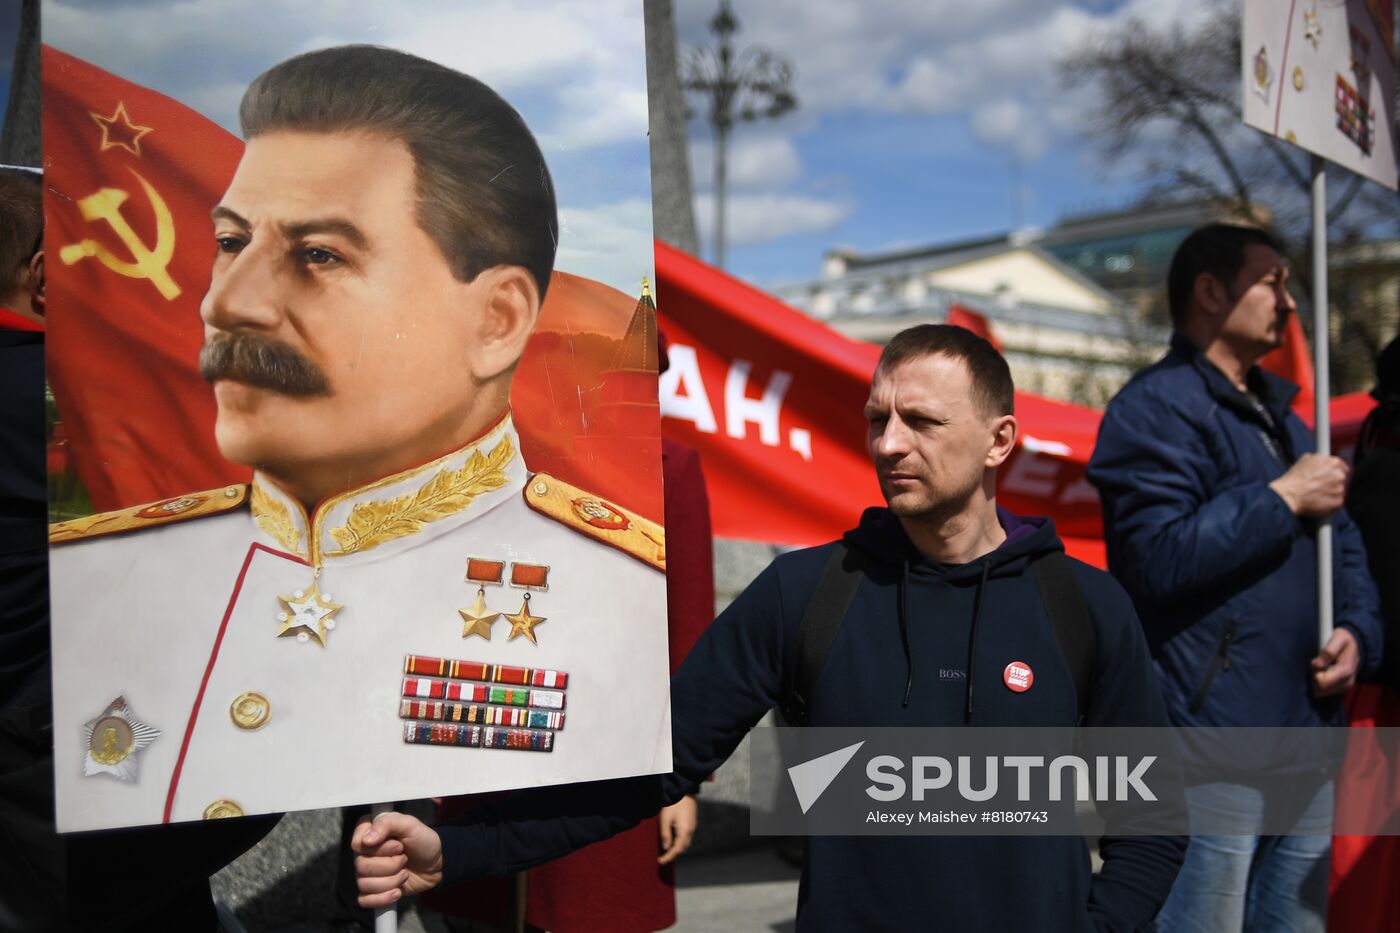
816,633
1069,614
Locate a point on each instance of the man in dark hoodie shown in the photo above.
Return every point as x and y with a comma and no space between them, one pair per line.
948,586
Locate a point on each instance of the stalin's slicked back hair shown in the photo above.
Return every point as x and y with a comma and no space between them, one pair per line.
484,192
991,377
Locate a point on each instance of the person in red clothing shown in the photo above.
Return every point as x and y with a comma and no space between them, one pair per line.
1363,893
21,250
622,885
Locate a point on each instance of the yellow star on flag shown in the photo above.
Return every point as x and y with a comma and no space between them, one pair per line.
118,132
522,623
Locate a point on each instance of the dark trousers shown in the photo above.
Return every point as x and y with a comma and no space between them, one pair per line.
148,878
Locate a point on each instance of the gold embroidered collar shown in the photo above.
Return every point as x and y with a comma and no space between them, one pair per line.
406,504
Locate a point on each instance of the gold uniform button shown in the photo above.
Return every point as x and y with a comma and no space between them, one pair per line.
222,810
249,710
231,492
540,488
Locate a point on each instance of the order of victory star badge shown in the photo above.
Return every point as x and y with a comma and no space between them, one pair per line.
112,740
1263,74
307,614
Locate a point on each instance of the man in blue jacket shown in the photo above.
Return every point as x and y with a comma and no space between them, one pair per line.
948,590
1211,497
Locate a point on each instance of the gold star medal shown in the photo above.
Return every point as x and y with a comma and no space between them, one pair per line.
1312,27
307,614
112,741
522,623
477,618
527,577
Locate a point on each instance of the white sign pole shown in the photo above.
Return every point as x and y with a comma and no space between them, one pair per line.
1321,382
386,919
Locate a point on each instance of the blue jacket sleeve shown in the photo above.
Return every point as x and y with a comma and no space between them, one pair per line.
1138,870
1168,538
731,678
1356,598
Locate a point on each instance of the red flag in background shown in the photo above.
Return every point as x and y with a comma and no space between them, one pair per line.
1348,413
774,401
131,176
1293,361
971,320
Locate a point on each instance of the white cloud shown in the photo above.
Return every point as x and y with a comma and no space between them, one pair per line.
753,162
570,61
761,218
1005,123
610,242
937,57
584,125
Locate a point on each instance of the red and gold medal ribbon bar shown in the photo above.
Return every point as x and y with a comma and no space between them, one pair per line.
490,706
428,688
481,571
451,733
529,576
481,714
491,673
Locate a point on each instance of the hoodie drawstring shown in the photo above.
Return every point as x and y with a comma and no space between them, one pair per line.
904,631
972,638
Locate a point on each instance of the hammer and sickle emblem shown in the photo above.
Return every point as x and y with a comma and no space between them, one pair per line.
150,263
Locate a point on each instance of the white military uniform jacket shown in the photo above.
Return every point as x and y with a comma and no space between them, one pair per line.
211,620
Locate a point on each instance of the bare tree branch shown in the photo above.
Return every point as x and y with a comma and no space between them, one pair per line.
1169,98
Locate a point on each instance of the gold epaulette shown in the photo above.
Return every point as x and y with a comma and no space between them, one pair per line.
598,518
178,509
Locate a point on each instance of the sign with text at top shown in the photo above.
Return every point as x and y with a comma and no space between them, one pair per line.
1321,74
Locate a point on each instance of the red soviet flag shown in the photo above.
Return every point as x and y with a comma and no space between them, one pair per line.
774,401
1293,362
977,323
129,247
131,176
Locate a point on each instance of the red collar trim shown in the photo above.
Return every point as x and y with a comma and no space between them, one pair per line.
9,320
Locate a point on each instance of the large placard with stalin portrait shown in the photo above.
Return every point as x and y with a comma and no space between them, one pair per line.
355,460
1321,74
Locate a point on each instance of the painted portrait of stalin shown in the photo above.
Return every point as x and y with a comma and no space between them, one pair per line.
382,253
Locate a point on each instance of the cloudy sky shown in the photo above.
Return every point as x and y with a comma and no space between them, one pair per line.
917,118
921,121
576,72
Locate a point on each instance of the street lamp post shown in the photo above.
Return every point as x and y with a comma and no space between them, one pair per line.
754,84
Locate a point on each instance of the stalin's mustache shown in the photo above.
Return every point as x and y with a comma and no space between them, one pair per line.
262,362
